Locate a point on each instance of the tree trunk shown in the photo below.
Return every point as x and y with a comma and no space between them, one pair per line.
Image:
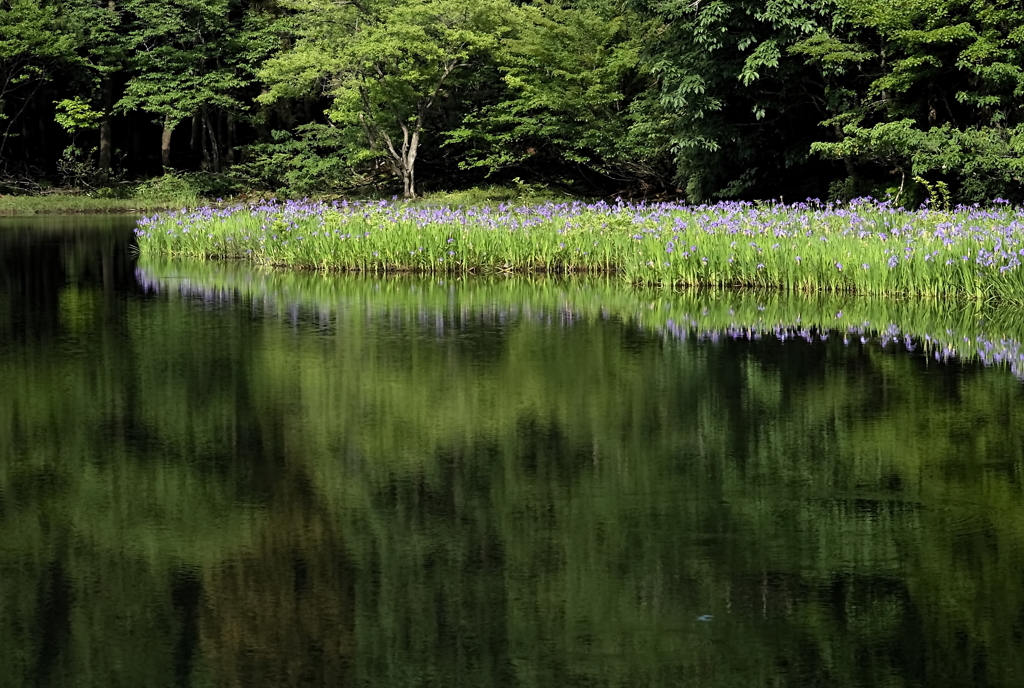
136,131
211,155
106,132
409,183
263,120
196,143
165,143
220,138
229,144
851,171
409,165
106,125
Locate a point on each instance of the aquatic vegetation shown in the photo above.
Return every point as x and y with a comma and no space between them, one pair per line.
867,247
989,334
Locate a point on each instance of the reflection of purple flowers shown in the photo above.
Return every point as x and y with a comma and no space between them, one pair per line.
754,324
989,352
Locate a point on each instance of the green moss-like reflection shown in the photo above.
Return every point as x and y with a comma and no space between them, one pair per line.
244,477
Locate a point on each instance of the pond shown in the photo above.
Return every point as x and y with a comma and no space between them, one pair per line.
217,476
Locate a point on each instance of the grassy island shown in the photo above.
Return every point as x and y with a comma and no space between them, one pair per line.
866,246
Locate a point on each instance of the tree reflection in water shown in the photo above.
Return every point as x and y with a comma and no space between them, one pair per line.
235,478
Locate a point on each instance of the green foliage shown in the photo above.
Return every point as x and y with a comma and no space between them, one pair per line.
709,99
385,65
729,86
586,107
938,194
186,56
516,193
77,167
34,45
76,114
984,162
315,159
941,92
184,189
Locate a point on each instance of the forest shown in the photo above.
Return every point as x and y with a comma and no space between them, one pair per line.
700,100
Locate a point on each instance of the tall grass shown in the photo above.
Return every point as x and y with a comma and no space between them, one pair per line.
865,247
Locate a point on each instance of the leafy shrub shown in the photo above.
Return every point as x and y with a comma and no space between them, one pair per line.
311,160
186,188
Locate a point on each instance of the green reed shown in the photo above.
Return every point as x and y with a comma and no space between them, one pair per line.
866,247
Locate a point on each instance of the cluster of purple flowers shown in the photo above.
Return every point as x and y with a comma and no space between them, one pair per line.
968,250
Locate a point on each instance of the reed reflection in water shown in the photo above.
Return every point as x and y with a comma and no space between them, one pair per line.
214,476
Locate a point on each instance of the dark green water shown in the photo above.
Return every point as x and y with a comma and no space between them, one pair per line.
211,476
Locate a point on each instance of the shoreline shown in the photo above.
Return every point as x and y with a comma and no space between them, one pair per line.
72,203
83,205
96,211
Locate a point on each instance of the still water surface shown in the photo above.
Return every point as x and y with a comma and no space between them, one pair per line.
212,476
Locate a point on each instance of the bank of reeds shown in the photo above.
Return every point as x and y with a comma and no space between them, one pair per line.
865,247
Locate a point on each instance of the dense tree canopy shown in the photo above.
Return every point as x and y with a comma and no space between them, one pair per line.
709,99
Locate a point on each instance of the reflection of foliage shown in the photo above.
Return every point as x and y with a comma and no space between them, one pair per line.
280,612
510,483
972,330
